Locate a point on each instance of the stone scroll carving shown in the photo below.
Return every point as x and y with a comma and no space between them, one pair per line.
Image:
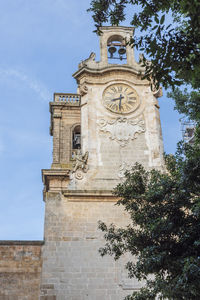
122,129
80,165
83,89
89,61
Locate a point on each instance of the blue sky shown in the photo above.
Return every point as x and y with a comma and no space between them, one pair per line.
42,42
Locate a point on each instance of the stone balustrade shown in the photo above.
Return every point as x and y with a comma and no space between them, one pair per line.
71,99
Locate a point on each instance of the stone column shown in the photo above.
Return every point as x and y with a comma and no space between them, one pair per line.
56,137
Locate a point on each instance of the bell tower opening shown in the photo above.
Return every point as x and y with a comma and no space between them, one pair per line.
115,47
76,139
116,50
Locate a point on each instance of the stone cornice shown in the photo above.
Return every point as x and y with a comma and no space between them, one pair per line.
117,28
137,70
48,174
75,195
62,104
20,243
90,196
54,172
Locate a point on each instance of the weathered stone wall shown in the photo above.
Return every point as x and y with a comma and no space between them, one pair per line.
20,270
63,120
72,267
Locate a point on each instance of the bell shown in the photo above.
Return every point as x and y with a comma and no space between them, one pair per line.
122,51
77,141
112,50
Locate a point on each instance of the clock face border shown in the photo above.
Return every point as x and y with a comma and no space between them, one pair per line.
120,98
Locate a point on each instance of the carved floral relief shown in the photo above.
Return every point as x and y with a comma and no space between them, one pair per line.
122,129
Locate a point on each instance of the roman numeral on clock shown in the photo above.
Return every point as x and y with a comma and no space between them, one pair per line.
113,89
119,88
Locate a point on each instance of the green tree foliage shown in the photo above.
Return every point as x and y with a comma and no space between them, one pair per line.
164,231
169,36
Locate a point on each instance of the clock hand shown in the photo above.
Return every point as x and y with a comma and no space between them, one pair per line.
120,101
119,98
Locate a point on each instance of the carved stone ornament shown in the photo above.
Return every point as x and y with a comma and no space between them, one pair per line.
157,92
123,167
79,175
80,165
122,130
88,61
83,89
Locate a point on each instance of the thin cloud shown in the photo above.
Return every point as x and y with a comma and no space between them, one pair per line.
43,93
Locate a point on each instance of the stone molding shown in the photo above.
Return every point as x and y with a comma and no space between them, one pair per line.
20,243
90,196
50,174
116,68
53,172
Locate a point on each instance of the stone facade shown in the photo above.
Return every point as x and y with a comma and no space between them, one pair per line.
77,191
20,270
65,115
111,123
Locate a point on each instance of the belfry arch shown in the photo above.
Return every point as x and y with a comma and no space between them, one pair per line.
116,46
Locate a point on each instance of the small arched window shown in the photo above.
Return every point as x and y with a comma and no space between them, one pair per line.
76,137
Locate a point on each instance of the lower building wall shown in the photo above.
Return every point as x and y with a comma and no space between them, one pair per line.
72,266
20,270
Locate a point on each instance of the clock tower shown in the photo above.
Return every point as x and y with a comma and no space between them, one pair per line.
109,125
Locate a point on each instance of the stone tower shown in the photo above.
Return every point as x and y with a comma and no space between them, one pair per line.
111,123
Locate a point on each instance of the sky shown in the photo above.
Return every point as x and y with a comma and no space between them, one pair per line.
42,42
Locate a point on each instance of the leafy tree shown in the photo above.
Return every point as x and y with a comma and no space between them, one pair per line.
164,232
169,36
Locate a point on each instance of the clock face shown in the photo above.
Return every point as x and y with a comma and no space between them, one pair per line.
120,98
